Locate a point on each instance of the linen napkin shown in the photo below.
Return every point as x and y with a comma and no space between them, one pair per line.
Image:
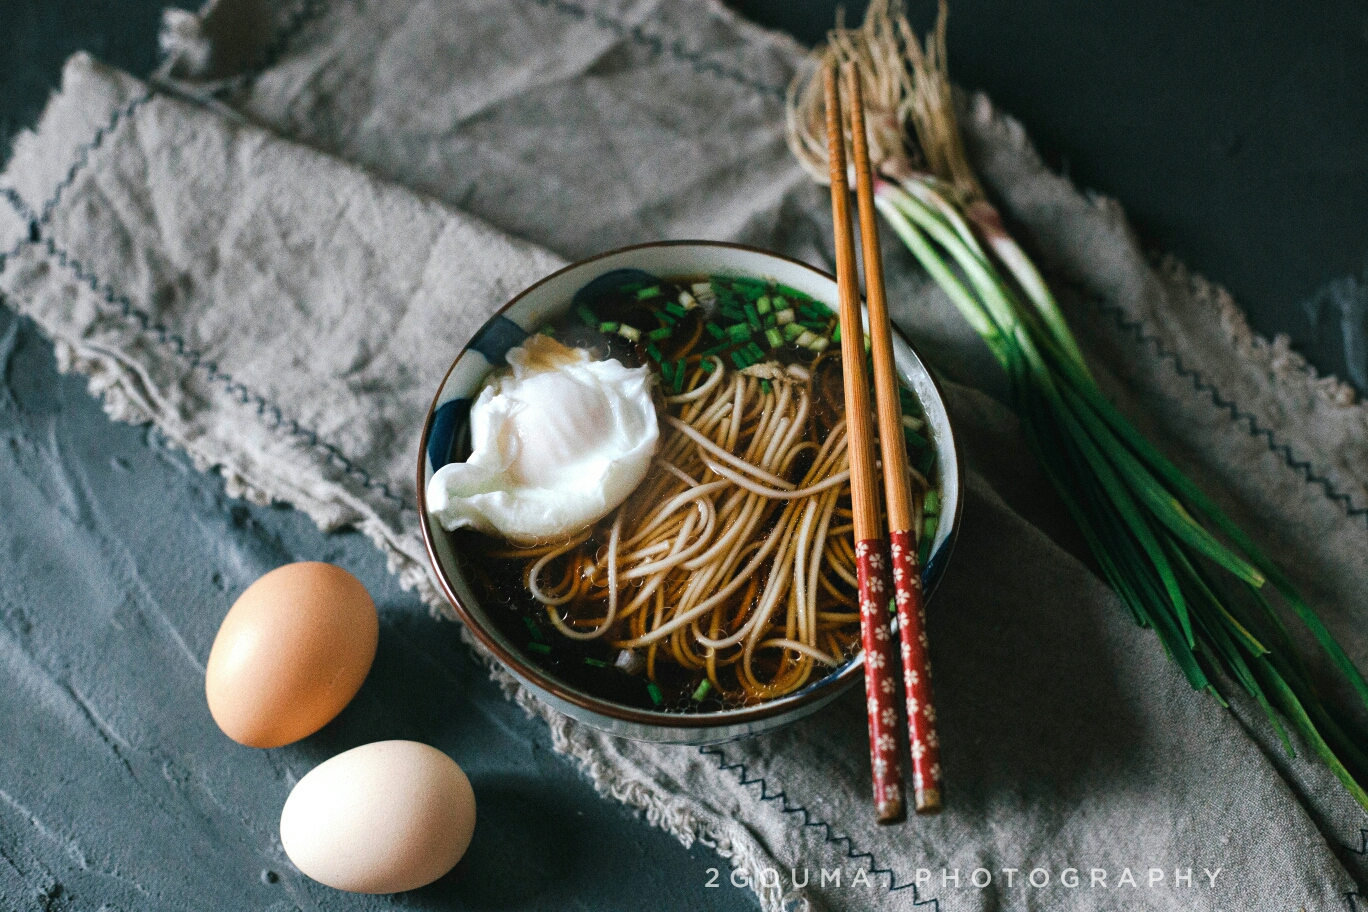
275,253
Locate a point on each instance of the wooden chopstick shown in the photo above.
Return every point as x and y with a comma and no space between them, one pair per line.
902,536
870,555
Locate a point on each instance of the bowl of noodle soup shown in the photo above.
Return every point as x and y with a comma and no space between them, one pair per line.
717,600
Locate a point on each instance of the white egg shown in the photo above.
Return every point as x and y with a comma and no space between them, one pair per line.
379,818
556,444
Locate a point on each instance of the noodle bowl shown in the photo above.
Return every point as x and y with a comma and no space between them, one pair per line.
596,680
727,577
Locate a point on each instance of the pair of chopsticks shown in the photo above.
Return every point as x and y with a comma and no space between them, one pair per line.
872,552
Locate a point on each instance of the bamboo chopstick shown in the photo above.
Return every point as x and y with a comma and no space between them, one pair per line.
870,561
902,536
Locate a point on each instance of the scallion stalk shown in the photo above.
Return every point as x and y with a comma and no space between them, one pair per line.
1170,553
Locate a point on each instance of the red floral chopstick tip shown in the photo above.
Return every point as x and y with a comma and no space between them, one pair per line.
881,683
916,665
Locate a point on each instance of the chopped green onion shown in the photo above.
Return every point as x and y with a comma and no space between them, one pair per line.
679,376
836,333
774,337
784,317
532,627
753,350
656,696
806,337
676,309
666,372
687,301
595,663
911,422
608,326
928,460
820,345
702,690
914,440
752,287
647,293
740,360
792,331
702,288
740,332
752,316
657,335
630,333
931,503
539,647
653,352
763,305
547,330
587,315
708,365
766,387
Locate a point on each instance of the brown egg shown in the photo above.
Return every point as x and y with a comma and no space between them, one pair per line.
291,653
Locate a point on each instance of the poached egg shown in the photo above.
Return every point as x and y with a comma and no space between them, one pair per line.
557,443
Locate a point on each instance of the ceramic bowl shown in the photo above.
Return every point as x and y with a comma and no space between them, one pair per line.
548,300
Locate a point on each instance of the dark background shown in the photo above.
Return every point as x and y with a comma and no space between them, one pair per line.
1234,134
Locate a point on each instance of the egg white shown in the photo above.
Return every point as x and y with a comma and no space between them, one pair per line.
557,443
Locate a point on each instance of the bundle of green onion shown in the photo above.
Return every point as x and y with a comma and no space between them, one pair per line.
1170,553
